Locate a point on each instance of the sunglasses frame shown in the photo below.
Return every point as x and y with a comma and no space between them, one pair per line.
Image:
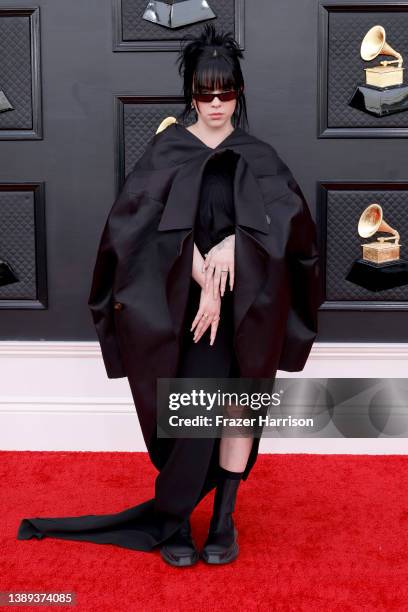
225,96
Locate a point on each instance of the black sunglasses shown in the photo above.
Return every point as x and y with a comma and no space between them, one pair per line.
225,96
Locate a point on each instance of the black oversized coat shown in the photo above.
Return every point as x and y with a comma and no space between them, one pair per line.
143,265
139,295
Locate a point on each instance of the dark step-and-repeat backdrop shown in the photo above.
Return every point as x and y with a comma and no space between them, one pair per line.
84,86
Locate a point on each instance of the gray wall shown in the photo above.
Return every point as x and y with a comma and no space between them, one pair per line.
80,74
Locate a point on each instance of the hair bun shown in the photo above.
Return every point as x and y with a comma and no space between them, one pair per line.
210,39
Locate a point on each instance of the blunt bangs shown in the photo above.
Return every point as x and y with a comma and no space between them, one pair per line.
214,74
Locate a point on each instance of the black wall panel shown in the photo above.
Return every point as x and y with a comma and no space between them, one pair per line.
79,159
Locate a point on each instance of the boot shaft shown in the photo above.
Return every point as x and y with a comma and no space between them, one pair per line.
224,503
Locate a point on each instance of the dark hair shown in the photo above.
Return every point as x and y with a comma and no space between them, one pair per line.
211,61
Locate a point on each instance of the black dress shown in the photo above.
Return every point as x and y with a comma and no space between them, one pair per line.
189,471
215,219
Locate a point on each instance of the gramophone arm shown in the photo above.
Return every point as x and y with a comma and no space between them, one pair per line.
399,60
395,237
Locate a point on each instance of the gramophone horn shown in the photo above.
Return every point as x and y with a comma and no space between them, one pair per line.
374,44
371,221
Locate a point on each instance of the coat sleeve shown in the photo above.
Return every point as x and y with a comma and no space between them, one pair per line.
100,299
304,277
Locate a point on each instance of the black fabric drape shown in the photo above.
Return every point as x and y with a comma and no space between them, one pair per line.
190,469
142,296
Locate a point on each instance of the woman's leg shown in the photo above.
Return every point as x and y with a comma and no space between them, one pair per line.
234,453
235,450
221,545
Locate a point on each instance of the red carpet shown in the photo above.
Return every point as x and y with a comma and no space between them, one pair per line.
316,532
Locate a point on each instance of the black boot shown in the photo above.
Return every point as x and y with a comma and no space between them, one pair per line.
179,550
221,545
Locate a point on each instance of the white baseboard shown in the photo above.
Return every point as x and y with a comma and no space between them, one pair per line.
56,396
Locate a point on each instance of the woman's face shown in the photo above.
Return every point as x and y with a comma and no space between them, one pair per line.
216,113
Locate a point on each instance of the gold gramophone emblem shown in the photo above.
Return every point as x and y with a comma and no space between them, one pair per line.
380,251
380,267
384,75
384,91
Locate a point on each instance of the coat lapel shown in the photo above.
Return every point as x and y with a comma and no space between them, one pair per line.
250,253
183,197
248,201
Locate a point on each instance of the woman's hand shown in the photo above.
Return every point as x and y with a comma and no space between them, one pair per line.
220,261
208,314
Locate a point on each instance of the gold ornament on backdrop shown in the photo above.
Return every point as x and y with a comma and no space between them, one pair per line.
384,91
372,221
165,123
380,266
383,75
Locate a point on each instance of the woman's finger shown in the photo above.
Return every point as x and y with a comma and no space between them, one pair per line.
207,259
201,328
231,277
224,275
205,263
197,331
198,317
214,327
195,321
217,278
208,276
201,324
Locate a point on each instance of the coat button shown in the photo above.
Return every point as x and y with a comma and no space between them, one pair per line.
118,305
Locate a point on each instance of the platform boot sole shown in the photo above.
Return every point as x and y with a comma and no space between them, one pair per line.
219,559
179,561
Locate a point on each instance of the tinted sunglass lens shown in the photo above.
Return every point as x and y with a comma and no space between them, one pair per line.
225,96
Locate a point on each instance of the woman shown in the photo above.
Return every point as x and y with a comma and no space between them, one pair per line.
210,248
